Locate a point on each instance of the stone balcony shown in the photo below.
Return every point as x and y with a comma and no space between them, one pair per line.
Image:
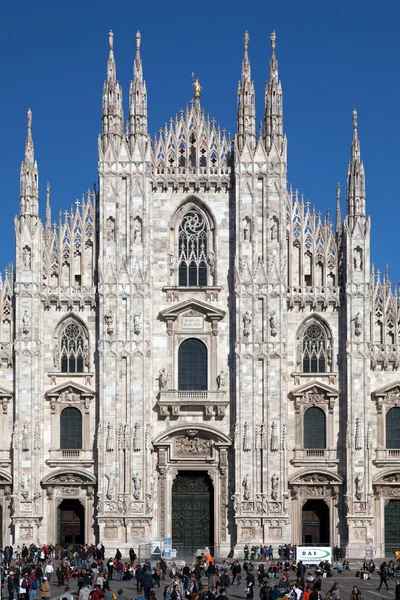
72,458
175,403
386,458
312,456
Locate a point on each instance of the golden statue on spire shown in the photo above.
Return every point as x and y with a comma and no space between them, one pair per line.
197,86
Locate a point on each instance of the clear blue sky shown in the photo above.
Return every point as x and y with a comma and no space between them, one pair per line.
334,55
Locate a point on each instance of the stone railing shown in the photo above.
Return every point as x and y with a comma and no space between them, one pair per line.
313,295
70,457
313,455
177,402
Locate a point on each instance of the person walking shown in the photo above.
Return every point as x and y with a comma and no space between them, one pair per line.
45,588
355,594
49,570
383,574
10,586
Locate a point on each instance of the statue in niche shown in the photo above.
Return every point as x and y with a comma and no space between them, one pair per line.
211,262
359,481
108,320
357,259
274,436
137,486
246,230
36,503
137,230
110,226
24,485
25,323
25,438
246,488
221,380
162,379
110,437
110,485
136,324
274,230
246,323
26,258
274,486
357,325
273,323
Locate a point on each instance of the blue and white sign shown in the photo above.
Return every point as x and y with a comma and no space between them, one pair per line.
313,555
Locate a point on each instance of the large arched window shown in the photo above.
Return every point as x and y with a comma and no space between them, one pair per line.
72,347
314,346
314,428
71,429
193,250
393,428
192,365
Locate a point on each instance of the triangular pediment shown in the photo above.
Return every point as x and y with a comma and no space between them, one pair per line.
315,387
69,387
393,388
202,308
5,393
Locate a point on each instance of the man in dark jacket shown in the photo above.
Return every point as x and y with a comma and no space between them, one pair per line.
236,570
265,591
147,583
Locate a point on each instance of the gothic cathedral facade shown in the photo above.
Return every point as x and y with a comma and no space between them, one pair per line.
192,351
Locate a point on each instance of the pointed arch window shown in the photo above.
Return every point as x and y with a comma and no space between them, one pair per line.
73,348
193,249
315,349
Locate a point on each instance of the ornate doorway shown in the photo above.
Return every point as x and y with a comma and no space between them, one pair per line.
193,511
315,522
71,522
392,526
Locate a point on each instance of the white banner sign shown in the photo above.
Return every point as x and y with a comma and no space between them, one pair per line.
313,555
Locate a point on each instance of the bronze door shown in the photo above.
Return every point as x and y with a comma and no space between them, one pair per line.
192,511
392,526
71,522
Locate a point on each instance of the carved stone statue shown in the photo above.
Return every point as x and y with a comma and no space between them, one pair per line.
357,259
25,437
26,258
25,323
359,482
247,318
110,226
358,435
50,492
24,485
273,323
137,233
109,320
36,503
246,230
274,486
274,230
246,488
246,437
211,262
110,437
172,261
274,437
136,324
357,325
162,379
221,380
137,486
110,485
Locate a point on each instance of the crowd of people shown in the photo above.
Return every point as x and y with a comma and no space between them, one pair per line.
29,572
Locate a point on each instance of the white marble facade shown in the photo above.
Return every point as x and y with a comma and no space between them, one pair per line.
273,285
